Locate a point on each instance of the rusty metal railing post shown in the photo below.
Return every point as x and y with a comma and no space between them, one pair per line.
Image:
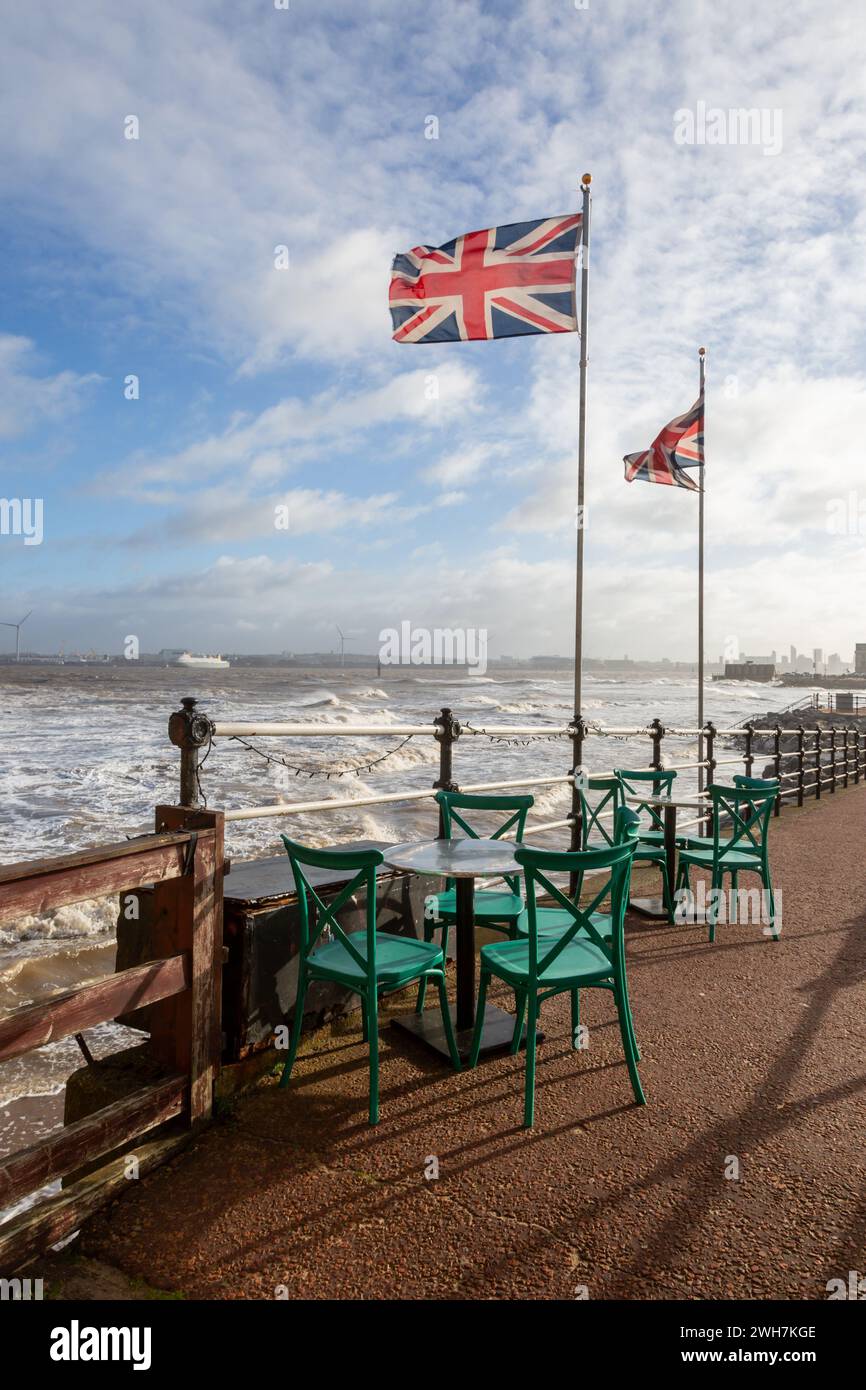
846,755
818,764
449,732
856,756
189,730
801,762
748,756
777,755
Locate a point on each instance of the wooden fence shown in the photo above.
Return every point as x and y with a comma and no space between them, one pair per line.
184,860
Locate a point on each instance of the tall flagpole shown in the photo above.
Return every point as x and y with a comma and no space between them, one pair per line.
581,463
702,352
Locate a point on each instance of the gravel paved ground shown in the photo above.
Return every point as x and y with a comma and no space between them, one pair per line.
753,1051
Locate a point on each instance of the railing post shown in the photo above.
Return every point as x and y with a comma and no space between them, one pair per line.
185,1030
577,734
449,732
657,730
578,730
777,753
801,762
833,757
847,755
748,757
711,767
818,763
189,730
856,755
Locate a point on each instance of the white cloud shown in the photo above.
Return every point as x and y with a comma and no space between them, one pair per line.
28,398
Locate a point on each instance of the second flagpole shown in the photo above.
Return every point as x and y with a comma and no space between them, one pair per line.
580,516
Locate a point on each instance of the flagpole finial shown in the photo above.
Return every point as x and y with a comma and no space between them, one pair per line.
702,352
586,180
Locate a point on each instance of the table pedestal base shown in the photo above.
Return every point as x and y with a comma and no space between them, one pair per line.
427,1028
648,907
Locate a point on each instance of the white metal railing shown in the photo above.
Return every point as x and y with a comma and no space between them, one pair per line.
809,775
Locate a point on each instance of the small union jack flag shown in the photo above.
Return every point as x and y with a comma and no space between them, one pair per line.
497,283
679,446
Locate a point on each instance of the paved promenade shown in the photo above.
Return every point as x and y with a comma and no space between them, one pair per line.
754,1059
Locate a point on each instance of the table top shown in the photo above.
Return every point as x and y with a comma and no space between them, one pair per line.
458,858
693,803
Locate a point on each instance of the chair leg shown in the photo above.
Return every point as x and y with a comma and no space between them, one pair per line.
365,1025
372,1011
575,1019
429,928
713,909
297,1025
520,1000
529,1091
620,995
666,894
479,1019
771,902
447,1025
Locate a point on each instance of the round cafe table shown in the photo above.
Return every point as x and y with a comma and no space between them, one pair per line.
464,860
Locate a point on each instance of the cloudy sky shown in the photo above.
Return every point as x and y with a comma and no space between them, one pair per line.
429,483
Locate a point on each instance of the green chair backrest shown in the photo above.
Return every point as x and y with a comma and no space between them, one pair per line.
324,915
452,803
539,864
761,784
747,811
658,782
594,818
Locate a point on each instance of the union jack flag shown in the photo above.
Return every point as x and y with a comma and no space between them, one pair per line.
679,446
497,283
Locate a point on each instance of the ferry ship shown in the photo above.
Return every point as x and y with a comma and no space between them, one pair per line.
194,659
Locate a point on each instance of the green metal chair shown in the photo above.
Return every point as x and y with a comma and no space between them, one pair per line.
651,840
660,783
748,811
498,909
368,962
553,921
580,957
764,784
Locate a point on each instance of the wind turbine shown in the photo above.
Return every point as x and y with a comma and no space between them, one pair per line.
17,627
342,644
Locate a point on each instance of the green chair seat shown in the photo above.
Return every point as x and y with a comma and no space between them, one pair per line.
488,903
552,921
398,959
580,959
734,858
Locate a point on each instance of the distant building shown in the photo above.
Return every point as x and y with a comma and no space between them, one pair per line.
749,671
817,657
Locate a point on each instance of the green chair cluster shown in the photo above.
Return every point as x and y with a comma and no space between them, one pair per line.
549,950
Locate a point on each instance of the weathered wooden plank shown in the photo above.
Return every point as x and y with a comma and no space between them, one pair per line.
44,1225
90,1138
56,887
75,1010
32,868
